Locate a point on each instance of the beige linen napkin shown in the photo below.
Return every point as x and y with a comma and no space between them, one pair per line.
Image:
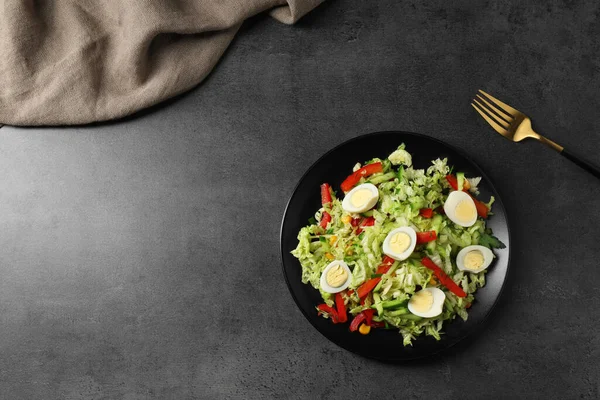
80,61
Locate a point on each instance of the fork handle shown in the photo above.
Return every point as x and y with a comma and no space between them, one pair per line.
588,166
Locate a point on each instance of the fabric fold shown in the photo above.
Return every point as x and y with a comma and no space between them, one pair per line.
73,62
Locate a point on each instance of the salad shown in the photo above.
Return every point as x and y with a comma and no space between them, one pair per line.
398,247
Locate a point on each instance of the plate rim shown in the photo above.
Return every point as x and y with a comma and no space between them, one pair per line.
497,200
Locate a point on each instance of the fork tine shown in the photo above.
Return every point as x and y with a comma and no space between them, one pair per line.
503,106
497,112
498,128
497,119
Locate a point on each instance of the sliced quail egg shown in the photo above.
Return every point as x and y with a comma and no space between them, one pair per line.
474,259
361,198
336,277
427,303
400,243
460,208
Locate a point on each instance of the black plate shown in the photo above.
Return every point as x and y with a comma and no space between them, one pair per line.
333,168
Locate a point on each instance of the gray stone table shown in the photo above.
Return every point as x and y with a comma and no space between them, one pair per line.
139,259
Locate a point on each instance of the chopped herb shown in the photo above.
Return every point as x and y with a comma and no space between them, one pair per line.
490,241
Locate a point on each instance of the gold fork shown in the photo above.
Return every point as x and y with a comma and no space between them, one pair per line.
516,126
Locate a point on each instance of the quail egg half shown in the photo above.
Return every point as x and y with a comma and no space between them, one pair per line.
360,199
460,208
336,277
427,303
400,243
474,259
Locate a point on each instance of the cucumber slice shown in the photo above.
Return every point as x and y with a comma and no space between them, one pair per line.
378,304
436,223
460,178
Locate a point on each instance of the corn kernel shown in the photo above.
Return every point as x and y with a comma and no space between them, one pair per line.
364,329
433,281
332,240
329,256
346,219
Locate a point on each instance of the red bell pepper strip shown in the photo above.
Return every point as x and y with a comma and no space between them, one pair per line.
353,179
482,209
360,317
424,237
369,221
364,289
426,212
355,221
325,308
325,218
341,308
452,181
388,260
383,269
369,316
376,324
442,277
385,265
325,194
329,310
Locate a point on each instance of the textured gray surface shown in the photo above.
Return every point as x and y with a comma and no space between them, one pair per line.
140,259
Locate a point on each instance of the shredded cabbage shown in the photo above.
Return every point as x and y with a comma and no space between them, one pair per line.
403,192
